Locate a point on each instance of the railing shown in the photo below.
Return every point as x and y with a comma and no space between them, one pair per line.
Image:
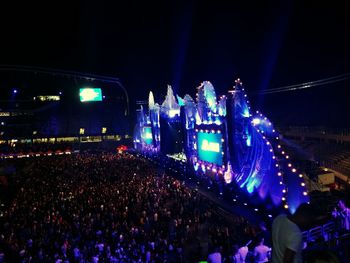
325,232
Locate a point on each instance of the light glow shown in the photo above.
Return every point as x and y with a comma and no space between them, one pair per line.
256,121
90,94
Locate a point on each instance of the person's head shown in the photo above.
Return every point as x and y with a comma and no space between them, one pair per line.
235,249
261,241
305,216
214,248
341,204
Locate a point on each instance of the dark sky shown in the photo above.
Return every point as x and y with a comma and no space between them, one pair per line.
148,45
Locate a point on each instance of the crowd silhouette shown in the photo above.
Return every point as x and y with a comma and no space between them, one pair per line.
104,207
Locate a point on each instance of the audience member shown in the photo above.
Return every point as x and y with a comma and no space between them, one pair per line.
243,252
261,252
341,214
265,234
214,256
287,234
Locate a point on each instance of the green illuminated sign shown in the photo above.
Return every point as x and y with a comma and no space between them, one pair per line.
90,94
147,135
209,147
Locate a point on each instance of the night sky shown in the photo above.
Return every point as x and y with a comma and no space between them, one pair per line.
148,45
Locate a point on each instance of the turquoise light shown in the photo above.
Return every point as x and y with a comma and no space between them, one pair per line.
210,147
249,140
90,94
246,113
147,135
180,101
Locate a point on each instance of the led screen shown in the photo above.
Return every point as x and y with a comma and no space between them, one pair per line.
147,135
209,147
90,94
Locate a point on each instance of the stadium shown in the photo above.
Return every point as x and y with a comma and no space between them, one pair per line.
127,136
231,159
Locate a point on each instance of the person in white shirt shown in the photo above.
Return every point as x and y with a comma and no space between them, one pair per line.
261,252
287,243
215,256
243,252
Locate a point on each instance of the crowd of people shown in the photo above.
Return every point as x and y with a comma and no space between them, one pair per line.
107,207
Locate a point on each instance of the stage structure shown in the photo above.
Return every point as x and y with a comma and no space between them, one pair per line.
223,139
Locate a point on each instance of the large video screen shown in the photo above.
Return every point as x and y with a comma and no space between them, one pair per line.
147,135
90,94
209,147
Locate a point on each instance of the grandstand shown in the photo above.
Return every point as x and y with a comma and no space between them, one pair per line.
324,155
44,107
330,149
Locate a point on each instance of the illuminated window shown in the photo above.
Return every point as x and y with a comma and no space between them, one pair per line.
67,139
104,130
81,131
47,98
